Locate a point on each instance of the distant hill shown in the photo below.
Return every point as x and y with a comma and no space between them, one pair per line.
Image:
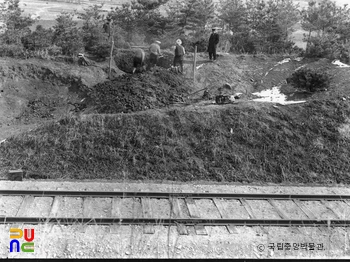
86,1
47,10
303,3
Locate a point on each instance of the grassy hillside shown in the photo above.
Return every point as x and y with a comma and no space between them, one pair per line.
243,142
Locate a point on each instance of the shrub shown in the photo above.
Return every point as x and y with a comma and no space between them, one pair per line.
242,43
200,42
41,53
311,80
316,49
15,51
326,48
100,50
54,50
168,41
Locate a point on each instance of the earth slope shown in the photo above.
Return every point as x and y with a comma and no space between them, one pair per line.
196,140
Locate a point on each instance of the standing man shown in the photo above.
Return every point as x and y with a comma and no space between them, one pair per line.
179,55
155,53
213,42
139,60
107,26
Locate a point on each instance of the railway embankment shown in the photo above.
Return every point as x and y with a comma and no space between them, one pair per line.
145,127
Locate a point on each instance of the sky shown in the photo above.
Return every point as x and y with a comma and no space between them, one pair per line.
342,2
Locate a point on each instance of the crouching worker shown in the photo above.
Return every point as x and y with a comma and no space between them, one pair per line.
139,61
155,53
179,55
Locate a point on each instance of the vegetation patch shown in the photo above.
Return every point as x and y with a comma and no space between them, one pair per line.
299,143
41,107
311,80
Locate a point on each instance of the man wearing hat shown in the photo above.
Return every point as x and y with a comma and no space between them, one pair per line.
155,53
213,42
179,55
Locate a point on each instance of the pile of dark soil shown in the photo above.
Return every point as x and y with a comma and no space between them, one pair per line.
124,60
131,93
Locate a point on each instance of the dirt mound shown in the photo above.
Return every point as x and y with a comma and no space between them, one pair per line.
131,93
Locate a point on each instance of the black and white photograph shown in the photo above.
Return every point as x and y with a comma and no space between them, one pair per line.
175,129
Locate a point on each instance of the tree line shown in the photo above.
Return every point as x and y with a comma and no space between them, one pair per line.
249,26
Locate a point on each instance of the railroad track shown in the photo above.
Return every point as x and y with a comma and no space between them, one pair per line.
175,209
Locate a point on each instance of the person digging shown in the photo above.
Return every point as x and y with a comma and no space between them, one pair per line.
139,61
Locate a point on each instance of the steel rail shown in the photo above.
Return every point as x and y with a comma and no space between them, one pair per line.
104,194
176,221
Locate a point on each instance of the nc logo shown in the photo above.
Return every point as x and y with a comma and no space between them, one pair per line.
16,233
